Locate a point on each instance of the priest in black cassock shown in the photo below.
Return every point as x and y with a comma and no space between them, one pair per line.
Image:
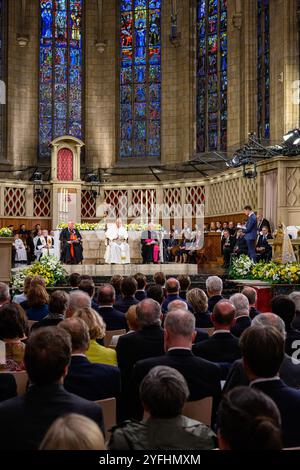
71,245
150,245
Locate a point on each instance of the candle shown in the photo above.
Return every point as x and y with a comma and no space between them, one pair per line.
147,206
67,201
142,207
152,205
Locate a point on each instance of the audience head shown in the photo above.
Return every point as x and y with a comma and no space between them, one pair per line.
94,322
128,286
159,278
79,332
106,295
148,313
172,286
58,303
78,299
263,351
4,293
285,308
251,295
163,393
37,296
74,280
73,432
270,319
47,355
248,420
241,304
198,300
226,233
223,315
131,318
214,286
12,322
265,231
156,292
38,281
179,329
86,277
88,286
231,225
295,297
27,284
177,305
141,281
184,282
116,282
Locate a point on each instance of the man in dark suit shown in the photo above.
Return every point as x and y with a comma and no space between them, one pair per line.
240,247
242,320
88,286
250,231
263,353
251,295
71,245
114,319
228,243
8,386
172,293
184,283
262,222
58,305
214,287
263,248
222,347
25,419
285,308
128,290
147,342
203,377
141,286
87,380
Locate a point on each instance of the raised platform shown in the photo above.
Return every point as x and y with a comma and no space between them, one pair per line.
106,270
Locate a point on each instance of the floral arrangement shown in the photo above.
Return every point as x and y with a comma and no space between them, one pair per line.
244,268
5,232
85,226
49,267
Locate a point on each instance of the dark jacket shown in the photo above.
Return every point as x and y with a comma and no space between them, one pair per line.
48,321
241,324
253,312
264,223
287,400
8,386
201,335
140,295
179,433
126,302
203,320
251,227
220,347
241,247
296,321
114,319
25,419
168,300
92,381
37,313
212,301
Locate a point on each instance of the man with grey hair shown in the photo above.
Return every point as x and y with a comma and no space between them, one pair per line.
214,288
295,297
172,293
242,310
203,377
78,299
4,294
163,393
289,370
177,305
147,342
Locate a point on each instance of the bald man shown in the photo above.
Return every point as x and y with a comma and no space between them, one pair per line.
172,293
114,319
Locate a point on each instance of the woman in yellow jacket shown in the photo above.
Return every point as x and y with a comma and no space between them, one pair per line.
96,353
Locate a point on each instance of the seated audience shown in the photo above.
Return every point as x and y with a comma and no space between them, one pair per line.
116,281
156,293
159,279
242,320
77,300
58,305
295,297
248,420
128,290
263,353
74,281
185,284
113,318
36,281
251,295
85,379
132,324
18,299
263,248
228,243
214,287
232,228
88,286
12,332
290,369
141,286
4,294
73,432
212,227
8,386
163,393
241,247
177,305
96,353
172,293
25,419
203,377
285,308
38,299
198,300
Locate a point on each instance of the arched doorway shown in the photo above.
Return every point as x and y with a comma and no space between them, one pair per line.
65,165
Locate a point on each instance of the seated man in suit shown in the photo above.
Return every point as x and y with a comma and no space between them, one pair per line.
201,334
88,286
263,248
141,286
25,419
242,319
263,353
285,308
214,288
114,319
228,244
222,346
172,293
203,378
251,295
87,380
241,247
128,290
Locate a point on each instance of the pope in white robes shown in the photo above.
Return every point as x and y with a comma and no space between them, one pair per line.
117,250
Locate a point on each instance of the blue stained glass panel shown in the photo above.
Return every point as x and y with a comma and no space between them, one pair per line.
140,77
263,69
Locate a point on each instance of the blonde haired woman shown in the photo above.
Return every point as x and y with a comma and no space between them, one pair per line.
73,432
96,353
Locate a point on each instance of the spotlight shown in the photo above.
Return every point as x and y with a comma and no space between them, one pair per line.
38,188
292,137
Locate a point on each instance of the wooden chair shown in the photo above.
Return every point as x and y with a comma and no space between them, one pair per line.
109,410
109,334
21,379
199,410
209,330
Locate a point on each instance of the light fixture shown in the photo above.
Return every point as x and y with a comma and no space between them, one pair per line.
95,185
292,137
250,173
38,188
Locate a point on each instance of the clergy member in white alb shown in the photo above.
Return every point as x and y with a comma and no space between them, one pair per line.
117,250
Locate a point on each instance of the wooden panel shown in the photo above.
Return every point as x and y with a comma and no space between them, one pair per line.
29,223
212,246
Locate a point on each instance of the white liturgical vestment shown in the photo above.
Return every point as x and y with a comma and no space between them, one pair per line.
117,250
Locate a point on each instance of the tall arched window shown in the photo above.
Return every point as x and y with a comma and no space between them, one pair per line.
61,71
3,41
140,78
263,69
211,75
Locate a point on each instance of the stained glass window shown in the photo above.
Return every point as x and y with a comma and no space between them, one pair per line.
263,69
3,31
61,71
140,78
211,75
